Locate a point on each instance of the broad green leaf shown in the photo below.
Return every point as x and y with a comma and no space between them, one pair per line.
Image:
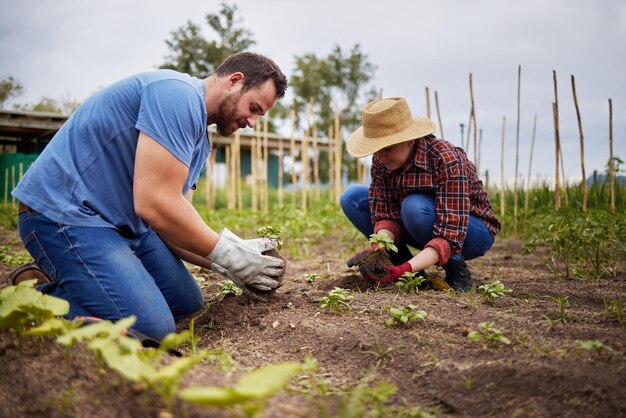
173,371
52,326
122,357
212,396
266,380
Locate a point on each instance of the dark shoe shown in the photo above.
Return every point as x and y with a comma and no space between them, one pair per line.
28,271
458,276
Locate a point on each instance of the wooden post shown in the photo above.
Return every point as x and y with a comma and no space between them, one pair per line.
331,164
266,179
229,190
294,178
427,103
254,166
582,145
281,168
557,189
439,115
502,200
6,185
238,187
530,164
316,163
12,183
338,158
515,196
611,169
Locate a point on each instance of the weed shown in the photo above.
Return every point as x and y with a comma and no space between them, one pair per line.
379,352
338,300
615,308
488,334
401,316
562,315
468,382
410,282
492,291
228,287
311,277
594,345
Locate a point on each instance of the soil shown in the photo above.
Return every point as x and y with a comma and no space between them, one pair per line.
375,262
542,373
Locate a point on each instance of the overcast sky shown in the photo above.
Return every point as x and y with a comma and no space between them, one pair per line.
70,49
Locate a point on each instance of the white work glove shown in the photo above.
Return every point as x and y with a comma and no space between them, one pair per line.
243,260
259,244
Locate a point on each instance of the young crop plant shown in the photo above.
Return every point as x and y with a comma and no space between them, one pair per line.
273,233
594,345
615,308
311,277
14,259
338,300
228,287
384,242
488,334
492,291
401,316
562,315
410,282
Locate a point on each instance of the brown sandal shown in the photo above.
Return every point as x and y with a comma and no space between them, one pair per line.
28,272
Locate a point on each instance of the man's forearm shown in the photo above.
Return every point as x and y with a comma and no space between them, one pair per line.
187,256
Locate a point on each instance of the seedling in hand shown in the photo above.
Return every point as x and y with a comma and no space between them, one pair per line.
384,242
338,300
401,316
272,233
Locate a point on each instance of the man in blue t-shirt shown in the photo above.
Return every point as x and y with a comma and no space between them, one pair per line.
106,210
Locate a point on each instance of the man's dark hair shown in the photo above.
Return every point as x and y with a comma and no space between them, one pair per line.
256,69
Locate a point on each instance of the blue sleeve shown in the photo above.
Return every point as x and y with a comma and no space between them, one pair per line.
171,113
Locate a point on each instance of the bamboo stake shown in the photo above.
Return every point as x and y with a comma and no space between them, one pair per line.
557,190
565,187
439,115
611,169
474,121
502,201
557,142
265,164
254,167
427,103
294,178
582,145
530,164
331,164
281,168
338,157
238,187
515,195
6,185
12,183
316,163
229,202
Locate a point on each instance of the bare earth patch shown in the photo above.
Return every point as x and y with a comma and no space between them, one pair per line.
543,372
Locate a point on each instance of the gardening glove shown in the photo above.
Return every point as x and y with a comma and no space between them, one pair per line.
225,273
358,257
256,244
243,261
390,274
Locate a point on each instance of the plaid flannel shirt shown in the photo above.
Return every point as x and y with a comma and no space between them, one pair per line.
443,170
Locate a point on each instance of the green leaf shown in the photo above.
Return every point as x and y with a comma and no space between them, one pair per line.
265,381
211,396
52,326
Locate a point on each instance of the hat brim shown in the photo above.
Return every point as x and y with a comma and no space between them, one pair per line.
361,146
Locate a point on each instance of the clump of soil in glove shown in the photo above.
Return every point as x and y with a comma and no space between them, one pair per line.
376,262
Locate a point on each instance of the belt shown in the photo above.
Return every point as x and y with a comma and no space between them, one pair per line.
23,208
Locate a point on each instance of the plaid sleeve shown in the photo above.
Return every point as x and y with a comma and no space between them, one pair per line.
452,203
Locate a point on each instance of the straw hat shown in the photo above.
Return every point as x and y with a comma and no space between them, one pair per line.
387,122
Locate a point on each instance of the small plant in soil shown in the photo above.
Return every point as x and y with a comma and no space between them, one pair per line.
401,316
272,233
615,308
384,242
562,315
311,277
492,291
410,282
594,345
228,287
488,334
338,300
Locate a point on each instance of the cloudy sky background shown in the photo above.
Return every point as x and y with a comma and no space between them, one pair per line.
69,49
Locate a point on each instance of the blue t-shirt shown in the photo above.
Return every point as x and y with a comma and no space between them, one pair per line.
84,177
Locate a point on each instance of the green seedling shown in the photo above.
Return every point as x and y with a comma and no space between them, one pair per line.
492,291
14,259
488,334
594,345
379,352
228,287
338,300
562,315
615,308
401,316
273,233
311,277
410,282
384,242
250,392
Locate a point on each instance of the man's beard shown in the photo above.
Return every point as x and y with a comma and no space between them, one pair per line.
226,114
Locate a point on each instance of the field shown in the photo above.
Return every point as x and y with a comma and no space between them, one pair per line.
560,349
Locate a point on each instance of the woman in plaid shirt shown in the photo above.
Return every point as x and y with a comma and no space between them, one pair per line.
424,193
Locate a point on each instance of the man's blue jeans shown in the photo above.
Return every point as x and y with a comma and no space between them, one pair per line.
418,218
105,273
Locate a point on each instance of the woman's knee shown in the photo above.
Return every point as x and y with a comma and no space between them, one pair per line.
418,211
351,197
157,326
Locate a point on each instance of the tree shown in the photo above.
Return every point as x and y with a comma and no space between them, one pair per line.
10,87
191,53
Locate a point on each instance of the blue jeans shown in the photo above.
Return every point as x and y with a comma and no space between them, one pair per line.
418,218
108,274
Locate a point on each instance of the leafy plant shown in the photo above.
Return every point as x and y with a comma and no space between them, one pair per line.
14,258
384,242
311,277
615,308
562,314
272,233
488,333
492,291
338,300
251,391
228,287
594,345
401,316
410,282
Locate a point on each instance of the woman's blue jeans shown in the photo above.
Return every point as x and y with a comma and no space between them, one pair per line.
105,273
418,218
